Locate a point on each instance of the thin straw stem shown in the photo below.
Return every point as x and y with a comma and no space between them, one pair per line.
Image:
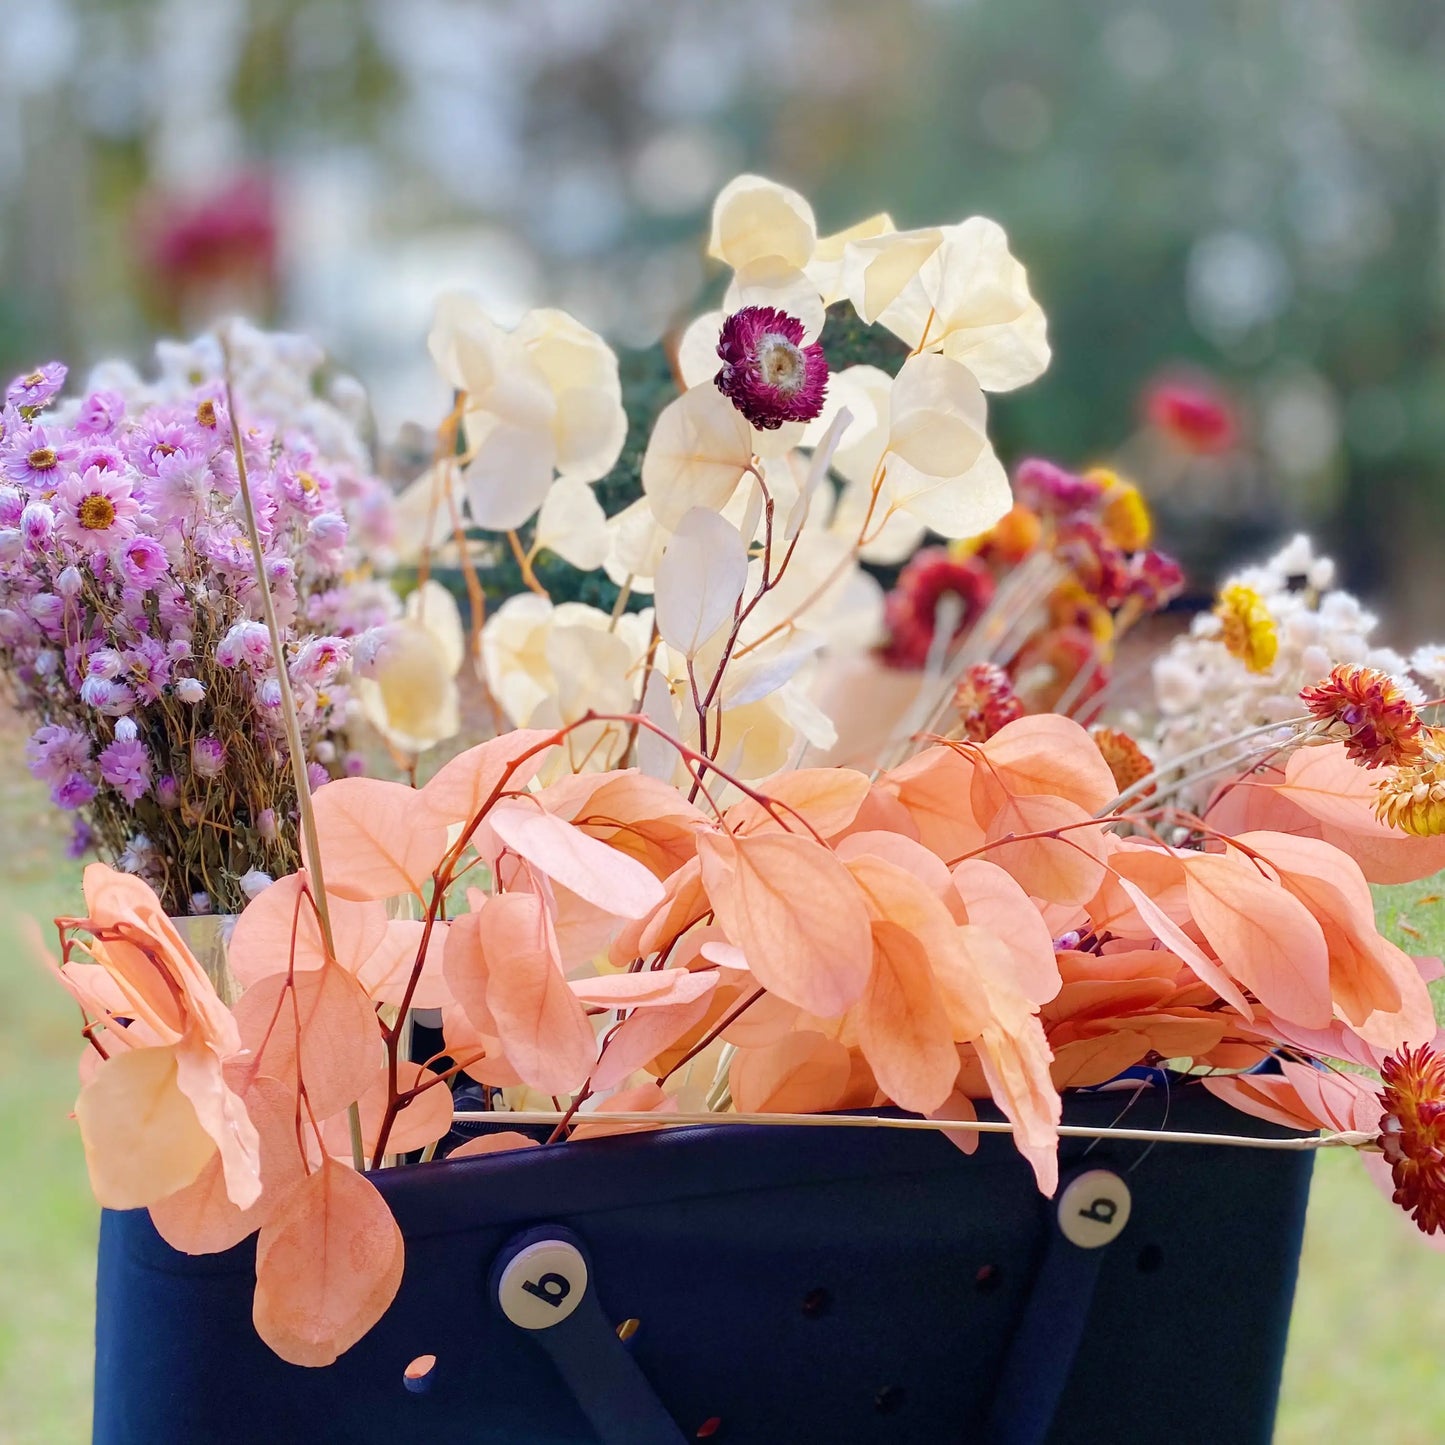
1342,1139
288,705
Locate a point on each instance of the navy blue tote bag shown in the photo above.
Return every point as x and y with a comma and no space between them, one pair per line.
781,1286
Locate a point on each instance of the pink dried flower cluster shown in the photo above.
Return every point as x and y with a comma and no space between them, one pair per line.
130,626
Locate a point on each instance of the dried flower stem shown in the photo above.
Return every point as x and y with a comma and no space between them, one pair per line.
289,717
1341,1139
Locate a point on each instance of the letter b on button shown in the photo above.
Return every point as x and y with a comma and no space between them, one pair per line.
542,1284
1094,1208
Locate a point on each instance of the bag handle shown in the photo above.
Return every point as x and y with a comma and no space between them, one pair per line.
1092,1210
542,1283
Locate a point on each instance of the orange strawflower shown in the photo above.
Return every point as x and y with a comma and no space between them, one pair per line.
1381,723
1413,799
1126,759
1249,630
1412,1133
985,701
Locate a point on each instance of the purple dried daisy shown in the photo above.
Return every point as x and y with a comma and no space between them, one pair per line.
35,460
126,766
97,511
767,372
52,752
37,387
208,757
100,413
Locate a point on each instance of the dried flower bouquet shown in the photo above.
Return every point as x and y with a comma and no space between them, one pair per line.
638,906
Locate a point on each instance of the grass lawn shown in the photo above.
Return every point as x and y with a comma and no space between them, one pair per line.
1364,1360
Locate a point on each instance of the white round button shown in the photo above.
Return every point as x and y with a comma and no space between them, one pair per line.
1094,1208
543,1284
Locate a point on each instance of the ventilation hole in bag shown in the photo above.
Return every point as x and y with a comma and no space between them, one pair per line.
627,1329
988,1278
418,1375
1151,1257
888,1400
708,1428
817,1303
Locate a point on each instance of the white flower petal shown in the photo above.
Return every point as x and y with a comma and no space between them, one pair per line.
635,543
573,525
754,217
772,282
508,478
698,452
697,358
937,416
436,609
700,580
956,507
826,267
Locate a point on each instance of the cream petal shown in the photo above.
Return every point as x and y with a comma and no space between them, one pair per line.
938,416
421,513
411,697
514,655
755,217
700,581
778,441
635,543
1005,356
697,358
697,454
881,276
436,609
773,281
957,507
567,353
465,343
507,480
985,316
573,525
826,268
589,429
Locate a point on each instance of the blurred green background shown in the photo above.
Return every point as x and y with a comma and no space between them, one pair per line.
1250,190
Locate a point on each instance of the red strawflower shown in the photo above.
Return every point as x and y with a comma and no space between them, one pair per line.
1050,662
1381,723
1195,415
1412,1133
1101,568
767,372
911,609
1155,578
985,701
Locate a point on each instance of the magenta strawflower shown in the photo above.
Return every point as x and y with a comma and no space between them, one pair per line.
97,510
1047,488
767,372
